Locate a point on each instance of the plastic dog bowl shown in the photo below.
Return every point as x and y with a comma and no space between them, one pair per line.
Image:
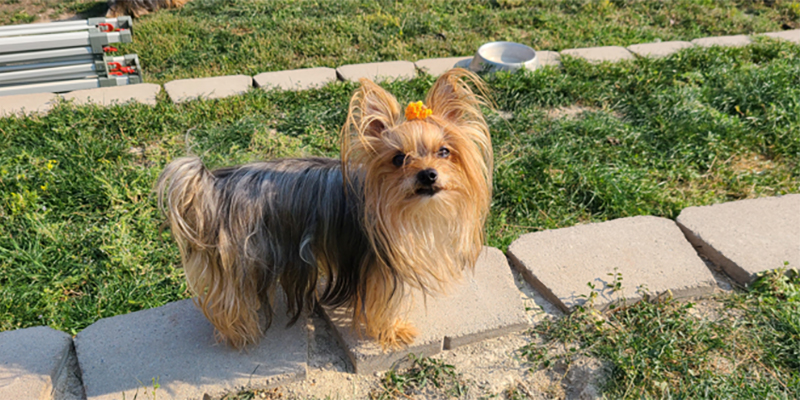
504,56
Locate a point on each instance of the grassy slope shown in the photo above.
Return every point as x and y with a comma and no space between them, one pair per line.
220,37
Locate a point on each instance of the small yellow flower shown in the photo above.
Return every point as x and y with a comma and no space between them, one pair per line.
417,111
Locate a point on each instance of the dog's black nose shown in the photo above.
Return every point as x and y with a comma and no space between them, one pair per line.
427,176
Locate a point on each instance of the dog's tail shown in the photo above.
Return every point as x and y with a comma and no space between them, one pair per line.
228,290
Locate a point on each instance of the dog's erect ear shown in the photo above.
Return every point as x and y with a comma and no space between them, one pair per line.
452,99
372,110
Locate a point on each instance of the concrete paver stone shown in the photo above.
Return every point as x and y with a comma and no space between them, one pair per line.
438,66
218,87
379,71
728,41
748,236
39,103
485,305
296,79
548,58
174,346
600,54
791,35
650,253
144,93
656,50
33,361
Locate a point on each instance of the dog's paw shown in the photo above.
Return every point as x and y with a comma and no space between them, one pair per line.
400,334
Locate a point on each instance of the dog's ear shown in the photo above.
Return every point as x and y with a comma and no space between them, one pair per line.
452,99
372,110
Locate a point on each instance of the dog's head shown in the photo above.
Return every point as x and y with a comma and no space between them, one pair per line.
435,152
426,170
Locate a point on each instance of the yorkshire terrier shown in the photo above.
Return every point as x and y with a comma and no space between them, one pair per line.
403,209
137,8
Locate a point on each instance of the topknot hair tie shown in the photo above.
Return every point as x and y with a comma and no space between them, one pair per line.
417,111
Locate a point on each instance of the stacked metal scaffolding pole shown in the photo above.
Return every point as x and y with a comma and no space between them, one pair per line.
66,56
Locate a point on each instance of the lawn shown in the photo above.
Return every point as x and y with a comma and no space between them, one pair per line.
79,230
224,37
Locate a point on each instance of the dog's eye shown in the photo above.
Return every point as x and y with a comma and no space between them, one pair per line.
399,160
443,152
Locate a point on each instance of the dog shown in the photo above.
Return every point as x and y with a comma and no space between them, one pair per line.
402,209
137,8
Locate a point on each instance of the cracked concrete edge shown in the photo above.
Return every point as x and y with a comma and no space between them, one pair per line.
536,283
734,271
68,382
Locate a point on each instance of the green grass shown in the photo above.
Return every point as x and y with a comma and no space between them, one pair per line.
749,350
221,37
425,374
79,230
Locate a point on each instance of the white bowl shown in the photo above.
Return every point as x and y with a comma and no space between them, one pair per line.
504,56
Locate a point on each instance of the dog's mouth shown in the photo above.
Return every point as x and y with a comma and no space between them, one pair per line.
427,191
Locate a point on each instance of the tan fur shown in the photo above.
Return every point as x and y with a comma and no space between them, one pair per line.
242,229
431,240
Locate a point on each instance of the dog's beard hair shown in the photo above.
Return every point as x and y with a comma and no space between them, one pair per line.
137,8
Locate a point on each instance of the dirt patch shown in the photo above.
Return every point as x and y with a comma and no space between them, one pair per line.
751,163
571,111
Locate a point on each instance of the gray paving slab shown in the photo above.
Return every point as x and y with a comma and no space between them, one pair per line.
650,253
600,54
790,35
144,93
296,79
380,71
660,49
438,66
748,236
548,58
725,41
174,346
486,304
32,363
218,87
36,103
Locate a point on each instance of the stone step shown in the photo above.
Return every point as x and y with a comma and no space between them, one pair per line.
600,54
21,104
173,347
144,93
726,41
218,87
296,79
438,66
379,71
658,50
650,253
746,237
485,305
790,35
